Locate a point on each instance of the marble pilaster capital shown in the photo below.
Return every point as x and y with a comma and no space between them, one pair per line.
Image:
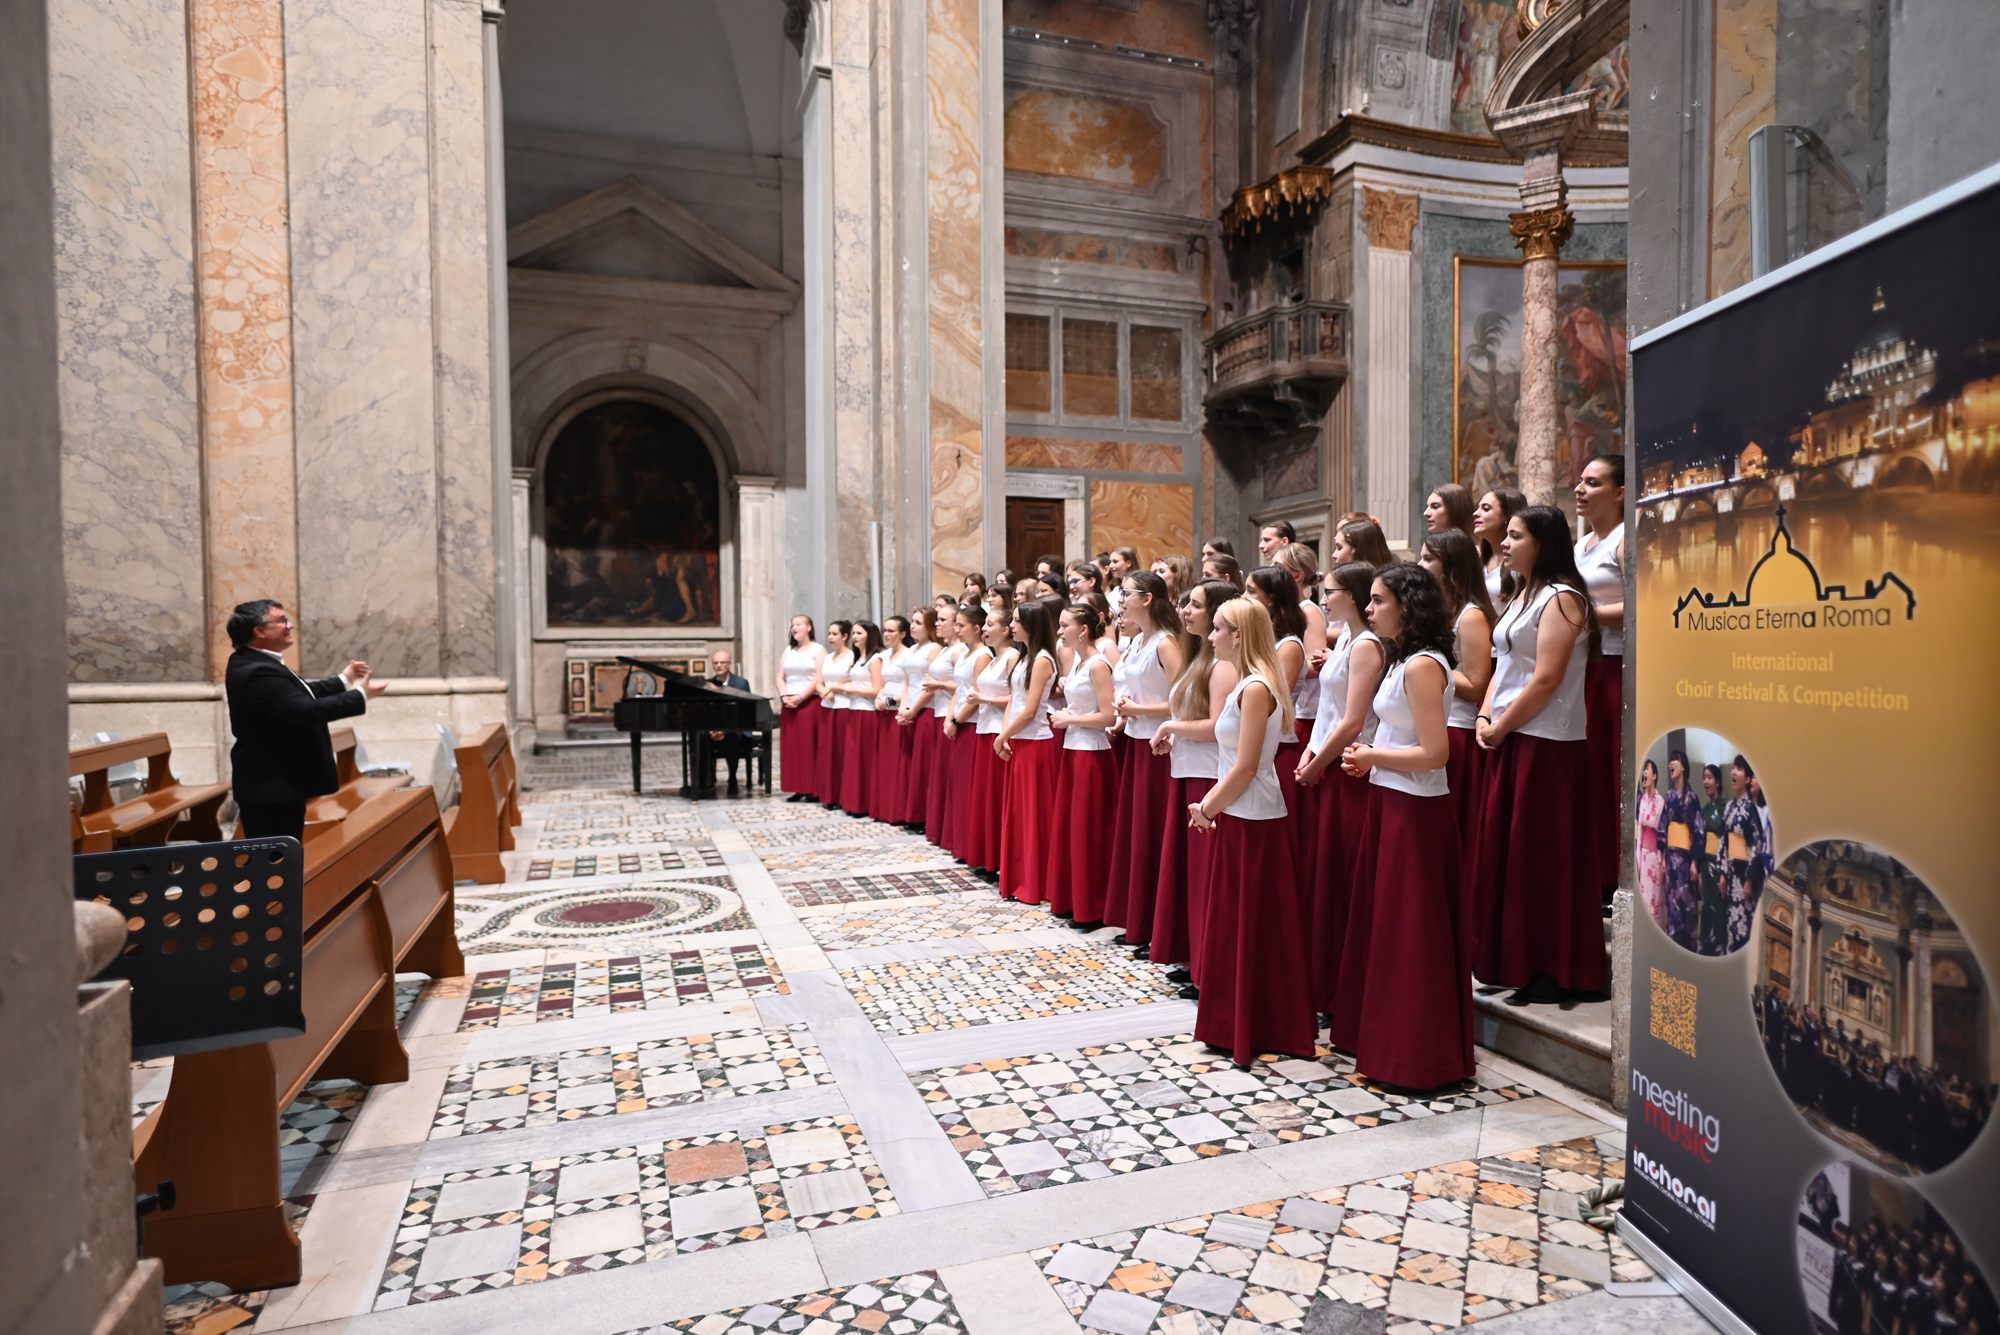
1391,217
1540,233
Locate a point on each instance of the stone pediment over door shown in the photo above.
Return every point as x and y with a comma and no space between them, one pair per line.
626,233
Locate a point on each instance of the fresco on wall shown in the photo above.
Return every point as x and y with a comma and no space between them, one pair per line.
631,514
1486,371
1101,140
1610,77
1487,35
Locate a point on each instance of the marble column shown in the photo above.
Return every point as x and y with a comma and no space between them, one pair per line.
520,578
957,326
242,195
815,534
125,303
1540,230
510,513
759,618
1391,218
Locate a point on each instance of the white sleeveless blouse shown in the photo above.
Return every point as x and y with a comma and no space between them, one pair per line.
962,684
1515,643
835,674
1038,729
940,677
1602,565
1333,690
1081,696
1305,691
991,682
1459,712
1140,675
1263,799
799,667
1399,729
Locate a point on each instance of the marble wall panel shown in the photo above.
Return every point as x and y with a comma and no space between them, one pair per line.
1152,518
1745,98
236,56
1082,248
853,332
1101,456
461,281
124,253
367,425
1102,140
957,355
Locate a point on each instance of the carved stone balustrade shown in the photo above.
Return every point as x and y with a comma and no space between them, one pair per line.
1277,370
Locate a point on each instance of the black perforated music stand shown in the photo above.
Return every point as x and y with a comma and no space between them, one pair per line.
214,940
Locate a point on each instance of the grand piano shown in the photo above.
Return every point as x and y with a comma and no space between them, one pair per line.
694,708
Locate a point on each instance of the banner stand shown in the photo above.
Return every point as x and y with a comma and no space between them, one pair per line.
1666,1267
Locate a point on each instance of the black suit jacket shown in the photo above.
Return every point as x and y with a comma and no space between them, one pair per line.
282,751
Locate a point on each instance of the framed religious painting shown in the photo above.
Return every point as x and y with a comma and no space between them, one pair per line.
1486,369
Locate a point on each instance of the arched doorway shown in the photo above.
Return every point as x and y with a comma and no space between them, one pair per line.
632,521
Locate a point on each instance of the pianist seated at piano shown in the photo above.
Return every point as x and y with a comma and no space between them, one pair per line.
731,746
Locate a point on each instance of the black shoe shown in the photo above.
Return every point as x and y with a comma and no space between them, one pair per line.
1540,991
1178,975
1064,914
1120,940
1190,993
1144,952
1086,926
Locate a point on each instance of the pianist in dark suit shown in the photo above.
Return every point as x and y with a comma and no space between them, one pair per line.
283,756
731,746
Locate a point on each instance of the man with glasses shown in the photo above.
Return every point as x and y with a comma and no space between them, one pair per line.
283,756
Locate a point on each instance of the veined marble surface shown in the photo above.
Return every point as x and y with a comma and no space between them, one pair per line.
956,181
124,235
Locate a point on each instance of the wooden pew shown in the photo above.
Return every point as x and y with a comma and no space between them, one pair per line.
378,901
481,826
355,789
149,819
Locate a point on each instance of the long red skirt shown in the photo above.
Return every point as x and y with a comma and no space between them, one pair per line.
1254,994
1144,805
857,754
798,746
826,758
988,803
1604,730
1405,1003
1026,818
1536,904
1298,825
1340,816
890,768
1465,770
1182,895
1079,858
926,738
945,822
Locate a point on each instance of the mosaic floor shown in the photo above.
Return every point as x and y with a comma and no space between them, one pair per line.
749,1066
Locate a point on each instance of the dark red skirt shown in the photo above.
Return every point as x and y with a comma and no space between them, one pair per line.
857,753
1254,993
945,824
798,746
890,771
1340,817
1536,904
1079,858
926,749
1297,826
1604,731
1405,1003
826,758
1465,770
1177,904
988,804
1144,804
1026,818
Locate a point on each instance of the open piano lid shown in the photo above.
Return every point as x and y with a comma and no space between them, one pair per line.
673,683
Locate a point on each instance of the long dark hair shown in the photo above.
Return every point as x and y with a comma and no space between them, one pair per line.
1232,573
1159,603
1464,576
1512,503
1188,697
1354,579
1282,593
974,613
1687,771
1648,764
1040,627
871,641
1555,563
844,627
1426,623
1457,506
1366,539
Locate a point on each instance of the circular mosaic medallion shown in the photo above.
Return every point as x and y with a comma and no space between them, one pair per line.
661,908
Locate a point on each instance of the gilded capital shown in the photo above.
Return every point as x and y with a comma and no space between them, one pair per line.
1391,218
1540,233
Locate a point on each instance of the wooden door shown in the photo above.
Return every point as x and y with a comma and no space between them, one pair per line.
1034,529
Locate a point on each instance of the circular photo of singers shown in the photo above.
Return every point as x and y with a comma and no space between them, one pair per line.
1875,1256
1872,1009
1702,840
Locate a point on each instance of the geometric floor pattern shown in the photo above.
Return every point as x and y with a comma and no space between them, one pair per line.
733,1058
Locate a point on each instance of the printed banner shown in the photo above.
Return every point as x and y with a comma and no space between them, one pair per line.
1814,1033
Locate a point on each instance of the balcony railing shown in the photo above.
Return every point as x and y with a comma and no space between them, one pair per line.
1285,361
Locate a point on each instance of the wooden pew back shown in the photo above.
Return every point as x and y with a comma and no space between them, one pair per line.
481,826
149,818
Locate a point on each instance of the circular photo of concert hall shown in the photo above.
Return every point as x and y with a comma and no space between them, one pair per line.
1871,1007
1874,1255
1703,840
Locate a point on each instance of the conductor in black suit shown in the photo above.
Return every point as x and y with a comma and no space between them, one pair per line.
283,756
731,746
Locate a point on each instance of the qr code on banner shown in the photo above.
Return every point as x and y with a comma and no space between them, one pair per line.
1673,1011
